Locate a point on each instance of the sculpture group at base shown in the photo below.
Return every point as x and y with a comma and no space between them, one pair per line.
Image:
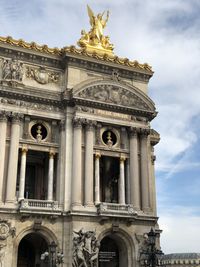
85,249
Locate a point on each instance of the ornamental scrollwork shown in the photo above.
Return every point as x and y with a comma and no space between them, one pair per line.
42,76
6,230
85,249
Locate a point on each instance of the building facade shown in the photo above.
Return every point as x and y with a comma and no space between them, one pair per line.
182,260
76,156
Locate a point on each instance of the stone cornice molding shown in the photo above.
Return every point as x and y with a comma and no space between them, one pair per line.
72,51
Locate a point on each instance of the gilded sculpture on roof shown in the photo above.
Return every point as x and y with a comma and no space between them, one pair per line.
95,40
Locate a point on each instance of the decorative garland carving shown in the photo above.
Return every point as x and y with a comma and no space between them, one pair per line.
42,76
35,106
85,249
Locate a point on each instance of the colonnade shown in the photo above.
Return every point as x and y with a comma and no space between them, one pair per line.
87,191
10,193
133,172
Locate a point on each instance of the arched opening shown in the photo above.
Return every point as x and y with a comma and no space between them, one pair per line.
30,249
112,252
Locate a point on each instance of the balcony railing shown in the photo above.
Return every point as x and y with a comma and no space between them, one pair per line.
116,209
39,206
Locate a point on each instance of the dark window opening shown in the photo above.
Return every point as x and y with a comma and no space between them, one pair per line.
109,176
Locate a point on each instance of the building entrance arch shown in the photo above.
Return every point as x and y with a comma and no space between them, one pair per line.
30,249
113,252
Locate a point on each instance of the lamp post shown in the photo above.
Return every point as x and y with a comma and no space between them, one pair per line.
52,257
151,256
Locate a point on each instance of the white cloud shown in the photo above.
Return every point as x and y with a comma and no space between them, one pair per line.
180,232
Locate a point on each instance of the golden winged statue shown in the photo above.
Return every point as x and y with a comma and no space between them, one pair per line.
94,40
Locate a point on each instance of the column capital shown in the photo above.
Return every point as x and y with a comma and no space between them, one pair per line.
122,158
17,117
24,149
4,115
51,154
78,122
133,131
90,125
144,132
97,155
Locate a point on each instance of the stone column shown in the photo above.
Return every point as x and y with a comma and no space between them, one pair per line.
97,178
50,176
121,184
77,163
61,165
134,169
128,198
144,170
89,168
13,158
3,129
22,172
68,155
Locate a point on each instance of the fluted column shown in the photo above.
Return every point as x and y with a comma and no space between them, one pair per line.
97,178
22,173
89,168
144,170
121,184
50,176
77,163
134,169
13,158
3,129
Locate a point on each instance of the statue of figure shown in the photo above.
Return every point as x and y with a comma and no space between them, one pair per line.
86,249
97,23
95,38
6,71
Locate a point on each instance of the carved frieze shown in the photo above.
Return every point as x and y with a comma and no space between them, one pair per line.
85,249
41,75
112,94
31,105
12,70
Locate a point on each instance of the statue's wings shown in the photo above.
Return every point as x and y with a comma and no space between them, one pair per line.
90,14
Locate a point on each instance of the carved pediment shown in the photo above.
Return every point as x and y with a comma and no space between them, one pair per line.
115,94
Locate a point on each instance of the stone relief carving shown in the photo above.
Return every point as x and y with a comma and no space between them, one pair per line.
42,76
114,95
35,106
85,249
6,230
2,254
12,70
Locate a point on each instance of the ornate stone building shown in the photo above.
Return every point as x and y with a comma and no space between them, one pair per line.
182,260
76,154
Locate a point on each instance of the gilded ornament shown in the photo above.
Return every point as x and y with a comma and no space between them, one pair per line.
95,40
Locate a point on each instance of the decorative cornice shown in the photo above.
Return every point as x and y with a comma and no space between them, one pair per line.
76,51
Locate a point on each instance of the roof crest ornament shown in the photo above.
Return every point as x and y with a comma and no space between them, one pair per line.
95,40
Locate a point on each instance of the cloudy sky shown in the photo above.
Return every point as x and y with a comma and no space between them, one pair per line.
164,33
